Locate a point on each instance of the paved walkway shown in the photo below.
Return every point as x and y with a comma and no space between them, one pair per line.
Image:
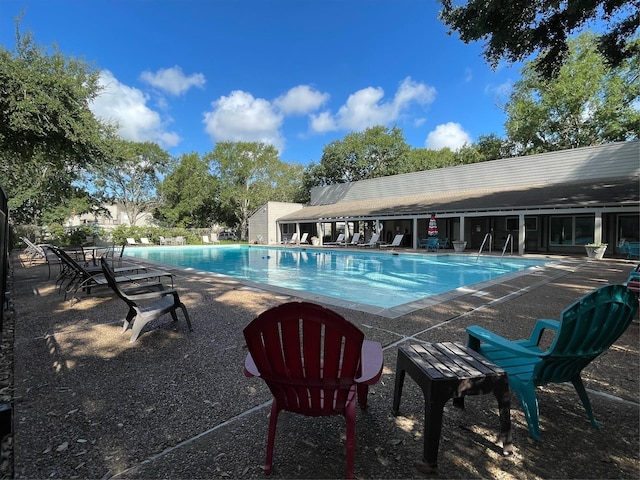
176,405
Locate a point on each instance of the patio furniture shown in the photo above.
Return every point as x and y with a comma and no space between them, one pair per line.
632,249
450,370
145,306
85,278
373,241
397,241
355,241
339,241
433,244
586,328
315,363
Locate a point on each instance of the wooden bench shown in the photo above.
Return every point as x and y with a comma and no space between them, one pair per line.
450,370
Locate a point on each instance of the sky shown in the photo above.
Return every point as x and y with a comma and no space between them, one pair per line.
297,74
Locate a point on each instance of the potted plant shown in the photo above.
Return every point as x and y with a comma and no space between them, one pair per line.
459,245
315,241
595,250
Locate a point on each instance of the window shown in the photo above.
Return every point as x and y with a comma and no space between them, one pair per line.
628,228
571,230
512,224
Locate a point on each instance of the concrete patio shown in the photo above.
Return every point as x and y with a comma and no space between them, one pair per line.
175,405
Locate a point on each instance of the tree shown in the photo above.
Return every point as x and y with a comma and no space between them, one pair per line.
47,132
376,152
132,176
516,29
588,103
189,195
427,159
488,147
250,174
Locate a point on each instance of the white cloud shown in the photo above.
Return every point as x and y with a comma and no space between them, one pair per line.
241,117
449,135
323,122
172,80
365,107
127,107
301,100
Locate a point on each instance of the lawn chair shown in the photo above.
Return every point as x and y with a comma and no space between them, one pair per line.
315,363
633,282
355,240
433,244
39,253
145,241
86,278
397,241
144,306
132,241
373,241
586,328
337,242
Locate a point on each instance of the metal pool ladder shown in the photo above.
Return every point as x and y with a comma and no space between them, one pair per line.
489,237
508,241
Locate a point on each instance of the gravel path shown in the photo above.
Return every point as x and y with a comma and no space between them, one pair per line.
175,405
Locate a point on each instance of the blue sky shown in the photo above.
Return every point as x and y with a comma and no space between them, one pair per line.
298,74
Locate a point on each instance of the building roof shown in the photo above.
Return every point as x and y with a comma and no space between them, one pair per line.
624,192
601,176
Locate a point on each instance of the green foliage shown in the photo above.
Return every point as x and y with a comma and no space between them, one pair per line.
131,176
588,103
427,159
47,132
189,195
516,29
250,174
376,152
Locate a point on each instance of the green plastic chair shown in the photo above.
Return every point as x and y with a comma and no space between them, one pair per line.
586,328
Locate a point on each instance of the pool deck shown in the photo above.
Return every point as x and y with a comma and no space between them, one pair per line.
175,405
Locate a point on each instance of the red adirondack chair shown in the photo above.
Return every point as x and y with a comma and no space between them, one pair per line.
315,363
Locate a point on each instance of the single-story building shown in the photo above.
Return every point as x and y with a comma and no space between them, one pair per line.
553,202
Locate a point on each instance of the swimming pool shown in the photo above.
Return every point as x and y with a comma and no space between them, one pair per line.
380,279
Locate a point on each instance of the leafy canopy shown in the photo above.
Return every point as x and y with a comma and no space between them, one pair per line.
47,132
188,196
515,29
588,102
250,174
131,176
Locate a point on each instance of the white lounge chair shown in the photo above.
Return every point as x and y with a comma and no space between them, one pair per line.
304,238
292,240
355,240
373,241
131,241
145,241
338,241
397,240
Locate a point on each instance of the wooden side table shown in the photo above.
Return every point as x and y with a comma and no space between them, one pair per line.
450,370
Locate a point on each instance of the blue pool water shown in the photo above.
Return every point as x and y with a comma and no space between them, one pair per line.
375,278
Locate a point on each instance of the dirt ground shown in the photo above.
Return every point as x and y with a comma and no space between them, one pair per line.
175,405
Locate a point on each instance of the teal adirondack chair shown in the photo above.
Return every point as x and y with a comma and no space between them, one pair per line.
586,328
